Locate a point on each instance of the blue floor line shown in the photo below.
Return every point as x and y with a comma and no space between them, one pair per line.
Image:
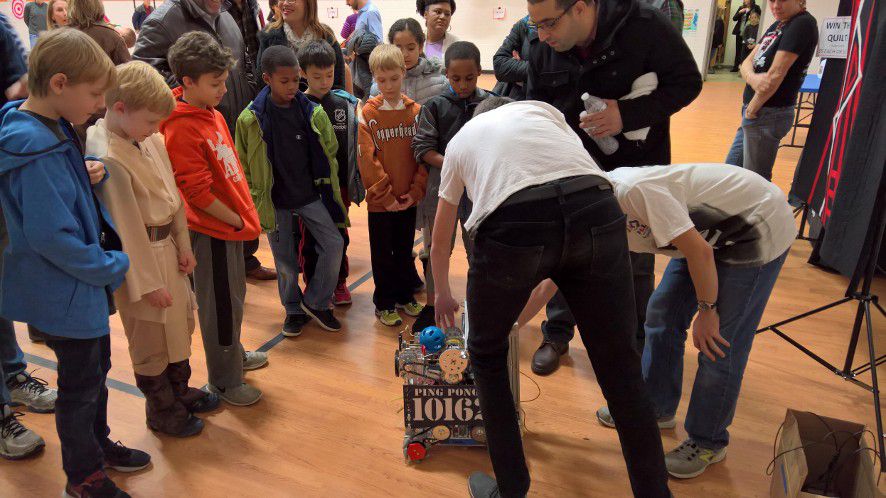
264,348
133,390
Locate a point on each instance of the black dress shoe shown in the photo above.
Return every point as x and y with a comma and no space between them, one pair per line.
546,359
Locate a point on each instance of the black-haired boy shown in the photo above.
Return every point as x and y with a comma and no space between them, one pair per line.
440,119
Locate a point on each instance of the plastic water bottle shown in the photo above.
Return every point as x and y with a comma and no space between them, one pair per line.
607,145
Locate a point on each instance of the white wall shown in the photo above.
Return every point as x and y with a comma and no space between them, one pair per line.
699,41
472,21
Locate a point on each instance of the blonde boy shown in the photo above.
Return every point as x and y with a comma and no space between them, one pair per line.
64,259
394,184
155,301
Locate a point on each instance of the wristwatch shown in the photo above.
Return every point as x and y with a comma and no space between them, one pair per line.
706,306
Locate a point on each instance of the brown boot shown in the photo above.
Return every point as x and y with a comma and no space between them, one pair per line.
164,412
195,400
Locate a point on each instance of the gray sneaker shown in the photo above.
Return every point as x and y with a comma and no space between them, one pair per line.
31,392
16,440
253,360
689,460
605,419
481,485
242,395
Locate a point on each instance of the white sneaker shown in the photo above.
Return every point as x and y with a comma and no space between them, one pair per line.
32,392
254,359
242,395
16,440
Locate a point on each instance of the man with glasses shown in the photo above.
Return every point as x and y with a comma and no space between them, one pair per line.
601,47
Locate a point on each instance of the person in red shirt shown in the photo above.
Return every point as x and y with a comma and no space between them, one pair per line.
219,208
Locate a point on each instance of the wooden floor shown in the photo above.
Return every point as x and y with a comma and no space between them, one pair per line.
330,423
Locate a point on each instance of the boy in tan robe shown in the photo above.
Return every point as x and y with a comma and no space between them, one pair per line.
156,303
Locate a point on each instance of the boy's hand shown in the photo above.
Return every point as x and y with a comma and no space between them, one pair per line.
18,90
395,206
96,170
239,225
186,262
407,201
159,298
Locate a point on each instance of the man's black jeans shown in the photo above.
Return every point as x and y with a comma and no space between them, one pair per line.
81,411
579,241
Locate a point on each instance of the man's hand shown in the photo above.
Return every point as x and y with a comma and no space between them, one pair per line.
96,170
706,334
445,308
186,262
752,110
606,123
159,298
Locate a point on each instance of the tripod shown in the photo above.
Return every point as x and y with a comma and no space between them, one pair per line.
859,291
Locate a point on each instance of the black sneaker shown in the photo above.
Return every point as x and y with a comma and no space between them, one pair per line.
324,318
424,320
123,459
206,403
293,325
98,485
481,485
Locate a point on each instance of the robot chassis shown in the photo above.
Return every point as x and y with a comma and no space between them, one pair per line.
440,400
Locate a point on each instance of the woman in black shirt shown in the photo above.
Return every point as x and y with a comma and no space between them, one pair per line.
774,72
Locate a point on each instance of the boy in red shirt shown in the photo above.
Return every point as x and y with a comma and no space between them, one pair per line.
394,185
219,208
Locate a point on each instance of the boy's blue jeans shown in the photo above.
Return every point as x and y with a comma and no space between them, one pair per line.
81,411
284,246
742,297
12,360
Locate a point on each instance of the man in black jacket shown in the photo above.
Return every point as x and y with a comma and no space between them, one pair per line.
509,62
601,47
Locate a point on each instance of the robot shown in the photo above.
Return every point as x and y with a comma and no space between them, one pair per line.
441,404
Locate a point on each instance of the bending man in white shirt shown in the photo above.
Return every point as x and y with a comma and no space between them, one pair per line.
542,209
728,230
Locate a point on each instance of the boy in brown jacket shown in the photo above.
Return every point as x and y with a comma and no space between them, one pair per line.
394,185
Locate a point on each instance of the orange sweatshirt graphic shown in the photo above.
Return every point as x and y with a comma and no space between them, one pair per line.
207,168
386,161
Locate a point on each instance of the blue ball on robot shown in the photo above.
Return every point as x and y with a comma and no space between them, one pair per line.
432,338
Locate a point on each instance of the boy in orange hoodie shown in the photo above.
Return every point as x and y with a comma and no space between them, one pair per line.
219,208
394,184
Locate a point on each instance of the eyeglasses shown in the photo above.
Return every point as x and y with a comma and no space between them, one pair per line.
551,23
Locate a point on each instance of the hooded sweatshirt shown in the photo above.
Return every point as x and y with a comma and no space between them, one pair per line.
440,119
207,168
56,228
386,162
423,82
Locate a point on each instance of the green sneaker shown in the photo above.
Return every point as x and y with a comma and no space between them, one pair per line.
389,317
412,309
690,460
605,419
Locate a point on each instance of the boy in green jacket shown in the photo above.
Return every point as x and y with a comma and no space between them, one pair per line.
287,147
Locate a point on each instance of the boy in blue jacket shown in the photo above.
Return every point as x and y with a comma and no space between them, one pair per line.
60,234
